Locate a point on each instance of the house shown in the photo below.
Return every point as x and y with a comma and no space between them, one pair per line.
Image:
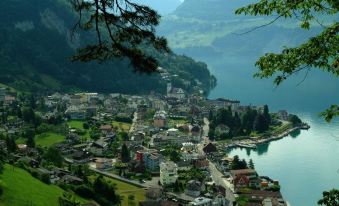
201,201
220,200
75,100
196,130
160,119
105,129
210,148
194,188
176,93
222,103
265,198
69,179
150,158
250,173
103,163
168,173
201,163
158,203
76,113
283,114
152,161
245,178
188,147
172,132
154,194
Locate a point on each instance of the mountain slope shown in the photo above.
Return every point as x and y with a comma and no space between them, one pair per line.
209,31
36,45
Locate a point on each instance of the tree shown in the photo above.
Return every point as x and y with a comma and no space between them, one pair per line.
106,190
53,155
30,142
131,200
294,119
29,135
85,125
125,155
330,198
10,143
251,164
122,29
260,123
67,199
318,52
267,114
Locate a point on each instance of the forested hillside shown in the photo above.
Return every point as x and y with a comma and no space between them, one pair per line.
37,44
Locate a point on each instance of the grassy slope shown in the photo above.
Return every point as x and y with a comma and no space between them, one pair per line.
20,188
77,124
122,126
123,189
45,139
48,139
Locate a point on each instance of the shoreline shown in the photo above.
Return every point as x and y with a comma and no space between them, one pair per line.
253,142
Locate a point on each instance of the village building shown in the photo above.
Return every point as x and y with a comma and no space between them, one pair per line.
103,163
168,173
194,188
160,119
176,93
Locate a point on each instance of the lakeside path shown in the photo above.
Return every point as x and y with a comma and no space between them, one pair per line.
252,142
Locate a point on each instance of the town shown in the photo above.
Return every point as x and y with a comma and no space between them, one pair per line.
118,149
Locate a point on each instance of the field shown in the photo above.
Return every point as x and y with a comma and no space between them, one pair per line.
76,124
125,190
20,188
45,139
122,126
48,139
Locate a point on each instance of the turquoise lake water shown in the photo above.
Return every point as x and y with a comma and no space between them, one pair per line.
306,162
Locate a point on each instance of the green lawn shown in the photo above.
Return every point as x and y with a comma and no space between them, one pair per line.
21,189
45,139
76,124
125,190
122,126
48,139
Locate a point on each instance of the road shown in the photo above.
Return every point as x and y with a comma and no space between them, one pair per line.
218,179
134,122
217,176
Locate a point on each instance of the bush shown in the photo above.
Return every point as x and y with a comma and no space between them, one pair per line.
123,119
84,191
45,178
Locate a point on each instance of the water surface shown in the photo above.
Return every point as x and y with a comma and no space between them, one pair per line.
305,163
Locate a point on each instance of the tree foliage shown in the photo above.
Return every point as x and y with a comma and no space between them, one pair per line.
318,52
121,27
330,198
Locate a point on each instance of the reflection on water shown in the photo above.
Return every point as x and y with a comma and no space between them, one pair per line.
306,162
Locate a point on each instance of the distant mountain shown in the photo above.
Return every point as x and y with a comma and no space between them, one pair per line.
36,47
210,9
209,31
162,6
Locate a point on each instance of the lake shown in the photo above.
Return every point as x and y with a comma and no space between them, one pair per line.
306,163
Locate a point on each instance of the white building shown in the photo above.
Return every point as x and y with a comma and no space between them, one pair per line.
168,173
173,92
201,201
